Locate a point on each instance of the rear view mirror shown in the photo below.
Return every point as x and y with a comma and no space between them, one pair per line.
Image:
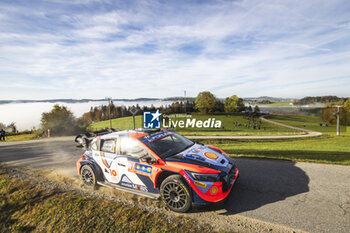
148,159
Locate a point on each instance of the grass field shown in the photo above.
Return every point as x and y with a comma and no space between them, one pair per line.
26,207
306,122
227,122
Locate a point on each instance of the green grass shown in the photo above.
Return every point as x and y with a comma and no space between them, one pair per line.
227,122
21,137
122,123
27,207
306,122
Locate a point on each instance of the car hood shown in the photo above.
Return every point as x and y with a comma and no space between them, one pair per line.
205,156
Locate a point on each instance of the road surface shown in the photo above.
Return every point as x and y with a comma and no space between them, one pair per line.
306,196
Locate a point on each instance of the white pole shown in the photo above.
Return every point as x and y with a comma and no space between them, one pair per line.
338,113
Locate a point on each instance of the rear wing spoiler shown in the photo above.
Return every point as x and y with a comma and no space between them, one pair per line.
84,140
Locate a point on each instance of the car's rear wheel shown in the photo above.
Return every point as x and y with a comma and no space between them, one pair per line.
88,176
175,194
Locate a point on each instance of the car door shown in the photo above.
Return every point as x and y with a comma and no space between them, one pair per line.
134,173
107,159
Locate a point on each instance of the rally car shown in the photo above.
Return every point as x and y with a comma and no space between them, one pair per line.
159,164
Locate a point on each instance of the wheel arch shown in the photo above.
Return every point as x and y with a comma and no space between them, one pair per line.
166,173
97,170
162,176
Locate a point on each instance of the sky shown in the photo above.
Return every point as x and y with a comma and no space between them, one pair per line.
130,49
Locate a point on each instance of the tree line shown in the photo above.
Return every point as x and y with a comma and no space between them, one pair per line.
205,103
104,112
319,99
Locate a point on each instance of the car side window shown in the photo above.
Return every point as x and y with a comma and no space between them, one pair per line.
131,148
108,146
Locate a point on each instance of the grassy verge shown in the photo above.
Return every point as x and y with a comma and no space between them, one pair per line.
27,207
325,149
20,137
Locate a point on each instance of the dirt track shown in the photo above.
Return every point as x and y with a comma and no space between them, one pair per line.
310,197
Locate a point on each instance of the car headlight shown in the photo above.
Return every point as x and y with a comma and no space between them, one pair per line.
205,177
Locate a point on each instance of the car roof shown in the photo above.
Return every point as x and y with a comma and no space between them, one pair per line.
136,133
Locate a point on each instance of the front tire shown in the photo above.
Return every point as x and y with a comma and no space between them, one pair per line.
175,194
88,176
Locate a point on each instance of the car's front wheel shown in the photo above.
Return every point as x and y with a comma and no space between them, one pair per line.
175,194
88,176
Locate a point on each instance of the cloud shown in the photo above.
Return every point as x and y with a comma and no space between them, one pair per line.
128,49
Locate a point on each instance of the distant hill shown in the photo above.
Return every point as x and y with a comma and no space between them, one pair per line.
272,99
318,99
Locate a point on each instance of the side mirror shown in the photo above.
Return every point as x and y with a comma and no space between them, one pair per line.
148,159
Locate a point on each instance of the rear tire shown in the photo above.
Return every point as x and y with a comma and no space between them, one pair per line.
88,176
175,194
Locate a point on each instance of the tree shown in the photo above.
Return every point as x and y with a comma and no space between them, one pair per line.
205,102
347,111
234,104
2,126
13,127
250,109
60,121
347,105
256,109
220,107
329,115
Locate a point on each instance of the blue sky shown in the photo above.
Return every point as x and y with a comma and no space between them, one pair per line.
130,49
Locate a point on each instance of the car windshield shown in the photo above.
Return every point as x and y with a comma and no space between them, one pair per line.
169,145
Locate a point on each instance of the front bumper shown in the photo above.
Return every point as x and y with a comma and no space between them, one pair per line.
211,191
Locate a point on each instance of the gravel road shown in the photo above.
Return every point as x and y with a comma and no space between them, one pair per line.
269,195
